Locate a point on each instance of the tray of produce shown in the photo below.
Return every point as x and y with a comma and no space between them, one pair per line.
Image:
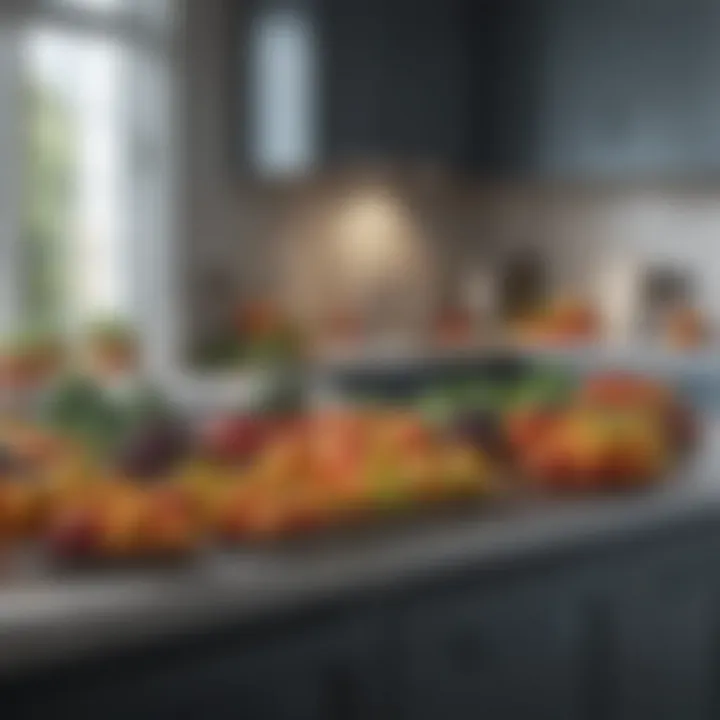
96,477
552,431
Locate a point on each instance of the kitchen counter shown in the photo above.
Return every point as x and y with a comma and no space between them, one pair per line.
46,618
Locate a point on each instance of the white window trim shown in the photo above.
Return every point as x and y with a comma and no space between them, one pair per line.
11,176
122,24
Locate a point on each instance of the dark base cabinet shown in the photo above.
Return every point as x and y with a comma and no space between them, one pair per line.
623,634
310,673
663,655
508,653
617,631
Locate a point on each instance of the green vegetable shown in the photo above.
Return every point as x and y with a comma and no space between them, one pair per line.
80,409
71,403
286,396
143,404
219,353
278,348
437,408
545,386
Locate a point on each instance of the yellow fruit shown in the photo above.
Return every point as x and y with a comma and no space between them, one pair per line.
464,468
120,529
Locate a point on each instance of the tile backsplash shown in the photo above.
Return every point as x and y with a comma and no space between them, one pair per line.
393,248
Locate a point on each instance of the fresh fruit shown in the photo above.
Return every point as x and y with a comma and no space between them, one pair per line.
463,469
233,438
32,447
340,465
286,459
20,508
10,464
632,392
169,521
112,346
274,474
622,389
564,320
154,449
267,336
403,432
30,359
75,532
453,326
594,449
483,431
686,328
248,511
123,520
525,426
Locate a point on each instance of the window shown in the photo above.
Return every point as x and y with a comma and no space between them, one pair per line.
85,106
92,4
72,234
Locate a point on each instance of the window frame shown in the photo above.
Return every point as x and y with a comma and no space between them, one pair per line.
122,23
156,315
11,175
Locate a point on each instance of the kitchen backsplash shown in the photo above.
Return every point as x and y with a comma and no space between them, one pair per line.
396,247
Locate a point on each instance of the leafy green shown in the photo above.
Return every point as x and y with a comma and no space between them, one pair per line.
79,408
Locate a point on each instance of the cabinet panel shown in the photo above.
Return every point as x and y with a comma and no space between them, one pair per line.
388,80
506,41
504,87
662,654
426,80
511,655
628,88
323,675
354,57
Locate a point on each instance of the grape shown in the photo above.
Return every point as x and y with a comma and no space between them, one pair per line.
154,449
9,462
483,430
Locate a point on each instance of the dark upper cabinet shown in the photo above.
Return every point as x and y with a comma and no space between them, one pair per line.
620,88
500,87
628,89
324,82
426,80
506,51
354,53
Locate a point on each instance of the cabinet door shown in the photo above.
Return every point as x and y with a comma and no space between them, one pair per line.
502,655
700,131
506,58
628,88
588,122
393,78
355,59
662,643
321,677
324,675
425,88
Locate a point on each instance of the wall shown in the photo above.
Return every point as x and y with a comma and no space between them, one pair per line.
212,202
